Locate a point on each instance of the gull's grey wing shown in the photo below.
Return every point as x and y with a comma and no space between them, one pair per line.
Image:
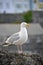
13,38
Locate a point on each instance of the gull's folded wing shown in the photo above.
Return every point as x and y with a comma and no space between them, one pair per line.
13,38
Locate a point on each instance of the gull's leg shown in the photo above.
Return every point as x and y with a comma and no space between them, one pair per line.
21,49
18,49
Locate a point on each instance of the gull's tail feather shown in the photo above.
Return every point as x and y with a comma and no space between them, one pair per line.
5,44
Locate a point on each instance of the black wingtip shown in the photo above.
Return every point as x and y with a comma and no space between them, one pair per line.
5,44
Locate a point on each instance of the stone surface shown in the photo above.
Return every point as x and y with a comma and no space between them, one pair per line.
20,59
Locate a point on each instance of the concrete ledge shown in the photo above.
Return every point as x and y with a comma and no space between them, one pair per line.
8,29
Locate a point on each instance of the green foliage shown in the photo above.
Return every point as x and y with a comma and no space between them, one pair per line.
27,16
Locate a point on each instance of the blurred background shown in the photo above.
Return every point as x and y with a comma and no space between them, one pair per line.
12,13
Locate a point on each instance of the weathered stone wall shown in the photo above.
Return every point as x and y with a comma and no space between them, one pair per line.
38,17
9,18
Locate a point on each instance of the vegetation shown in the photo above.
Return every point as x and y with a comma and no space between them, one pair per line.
27,16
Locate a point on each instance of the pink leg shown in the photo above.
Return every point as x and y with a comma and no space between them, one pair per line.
19,48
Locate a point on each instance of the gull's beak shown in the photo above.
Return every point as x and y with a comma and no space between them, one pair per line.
27,24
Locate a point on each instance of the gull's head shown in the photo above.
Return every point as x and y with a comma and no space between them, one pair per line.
24,24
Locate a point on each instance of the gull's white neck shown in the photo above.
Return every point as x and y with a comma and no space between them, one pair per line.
23,33
23,29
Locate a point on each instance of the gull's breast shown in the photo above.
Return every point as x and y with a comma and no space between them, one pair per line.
23,36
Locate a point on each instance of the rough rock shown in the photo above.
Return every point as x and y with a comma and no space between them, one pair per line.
20,59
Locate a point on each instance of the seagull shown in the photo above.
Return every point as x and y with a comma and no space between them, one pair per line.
18,38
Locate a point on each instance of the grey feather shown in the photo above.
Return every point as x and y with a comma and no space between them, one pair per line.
13,38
